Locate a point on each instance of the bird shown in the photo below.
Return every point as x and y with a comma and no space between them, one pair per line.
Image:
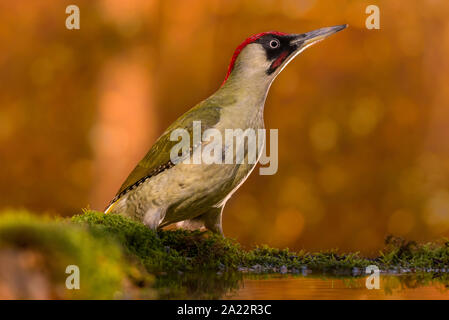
161,190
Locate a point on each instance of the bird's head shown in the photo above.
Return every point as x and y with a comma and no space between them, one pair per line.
262,57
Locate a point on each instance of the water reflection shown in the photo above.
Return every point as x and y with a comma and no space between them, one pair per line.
279,287
424,286
198,286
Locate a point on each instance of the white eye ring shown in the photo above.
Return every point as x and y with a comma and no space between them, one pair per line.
274,44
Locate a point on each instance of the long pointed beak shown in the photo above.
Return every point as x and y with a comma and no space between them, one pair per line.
309,38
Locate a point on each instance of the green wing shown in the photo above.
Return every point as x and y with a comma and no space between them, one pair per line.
158,158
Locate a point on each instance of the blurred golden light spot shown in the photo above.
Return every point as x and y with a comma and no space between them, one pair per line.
437,211
365,116
430,163
294,192
296,9
404,111
223,8
332,178
288,226
316,215
263,7
324,134
123,11
411,181
130,28
41,71
297,193
411,40
109,135
432,167
401,222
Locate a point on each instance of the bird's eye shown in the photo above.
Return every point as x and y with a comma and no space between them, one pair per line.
274,44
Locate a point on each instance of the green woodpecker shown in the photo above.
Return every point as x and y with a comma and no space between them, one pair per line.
161,191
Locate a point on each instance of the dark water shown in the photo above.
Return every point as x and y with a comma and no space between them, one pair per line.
313,286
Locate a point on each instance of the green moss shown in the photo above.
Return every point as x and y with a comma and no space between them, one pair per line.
180,250
409,254
40,249
166,251
321,261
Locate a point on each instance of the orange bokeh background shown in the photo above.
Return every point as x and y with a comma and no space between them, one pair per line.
363,117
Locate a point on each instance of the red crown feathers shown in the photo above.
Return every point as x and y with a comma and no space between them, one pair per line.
244,44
